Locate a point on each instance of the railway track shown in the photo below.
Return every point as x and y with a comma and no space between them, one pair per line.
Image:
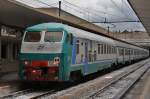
36,93
118,87
28,94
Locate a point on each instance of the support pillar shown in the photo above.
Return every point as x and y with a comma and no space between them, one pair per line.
0,46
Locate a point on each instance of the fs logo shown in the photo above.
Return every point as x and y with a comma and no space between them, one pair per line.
40,47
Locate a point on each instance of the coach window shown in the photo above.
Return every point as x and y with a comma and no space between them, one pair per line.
114,50
82,43
77,47
111,49
95,56
120,51
128,51
131,52
107,47
91,45
99,48
90,56
102,48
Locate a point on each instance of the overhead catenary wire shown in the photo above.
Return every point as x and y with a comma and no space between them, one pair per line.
93,15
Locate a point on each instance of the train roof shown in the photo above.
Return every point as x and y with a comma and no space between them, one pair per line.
87,35
81,34
75,31
46,26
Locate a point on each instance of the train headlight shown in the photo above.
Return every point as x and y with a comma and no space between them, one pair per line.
26,63
56,60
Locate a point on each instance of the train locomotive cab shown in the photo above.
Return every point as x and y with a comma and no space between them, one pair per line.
41,57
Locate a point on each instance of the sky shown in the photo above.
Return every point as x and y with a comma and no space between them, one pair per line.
97,11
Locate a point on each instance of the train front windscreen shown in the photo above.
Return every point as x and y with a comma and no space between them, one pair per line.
48,37
42,42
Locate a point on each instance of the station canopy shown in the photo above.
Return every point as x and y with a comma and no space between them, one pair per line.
16,14
142,9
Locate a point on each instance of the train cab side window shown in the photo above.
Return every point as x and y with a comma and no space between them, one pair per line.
77,47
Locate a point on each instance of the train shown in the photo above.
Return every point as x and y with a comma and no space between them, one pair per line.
59,52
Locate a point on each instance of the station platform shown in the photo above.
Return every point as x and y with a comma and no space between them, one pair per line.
8,71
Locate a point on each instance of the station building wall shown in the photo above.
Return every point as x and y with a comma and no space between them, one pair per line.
10,40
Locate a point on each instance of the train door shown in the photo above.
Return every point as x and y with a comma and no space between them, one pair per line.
86,58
